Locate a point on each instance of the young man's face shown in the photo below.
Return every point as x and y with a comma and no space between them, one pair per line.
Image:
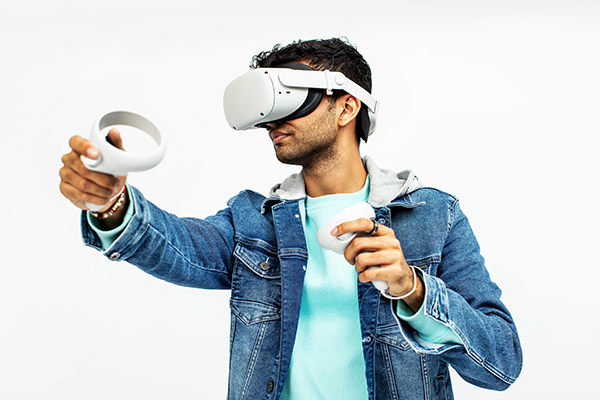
303,141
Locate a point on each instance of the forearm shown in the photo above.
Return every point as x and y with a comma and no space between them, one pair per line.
494,356
415,300
490,355
182,251
460,295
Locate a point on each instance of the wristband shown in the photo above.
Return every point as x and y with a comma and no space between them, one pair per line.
389,296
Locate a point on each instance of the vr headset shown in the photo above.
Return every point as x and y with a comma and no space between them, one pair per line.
287,92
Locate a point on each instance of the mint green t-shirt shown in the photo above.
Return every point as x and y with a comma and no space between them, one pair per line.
327,360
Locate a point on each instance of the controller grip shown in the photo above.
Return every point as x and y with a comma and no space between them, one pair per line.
96,207
338,244
381,285
90,164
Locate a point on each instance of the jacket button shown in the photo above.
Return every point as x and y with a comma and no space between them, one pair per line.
114,255
265,266
270,386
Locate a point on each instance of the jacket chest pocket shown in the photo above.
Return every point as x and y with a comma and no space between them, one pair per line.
256,282
259,260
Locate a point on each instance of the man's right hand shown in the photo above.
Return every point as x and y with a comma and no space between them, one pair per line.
81,185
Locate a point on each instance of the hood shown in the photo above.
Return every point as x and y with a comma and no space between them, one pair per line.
386,185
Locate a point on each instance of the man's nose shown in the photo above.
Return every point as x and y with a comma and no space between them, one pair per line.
272,125
268,125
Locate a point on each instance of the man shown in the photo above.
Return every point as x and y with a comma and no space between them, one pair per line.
308,323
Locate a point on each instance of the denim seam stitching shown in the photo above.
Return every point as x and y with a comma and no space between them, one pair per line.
451,215
425,375
256,243
488,366
389,372
186,259
253,358
273,316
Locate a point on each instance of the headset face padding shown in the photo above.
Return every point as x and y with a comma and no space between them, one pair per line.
313,99
363,123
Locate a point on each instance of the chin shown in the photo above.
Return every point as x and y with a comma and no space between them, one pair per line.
291,160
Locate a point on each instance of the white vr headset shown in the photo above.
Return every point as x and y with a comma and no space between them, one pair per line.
288,92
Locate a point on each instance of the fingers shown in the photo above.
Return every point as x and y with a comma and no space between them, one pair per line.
73,164
84,147
381,250
401,280
90,182
81,185
383,239
381,258
114,138
358,225
80,190
385,265
80,198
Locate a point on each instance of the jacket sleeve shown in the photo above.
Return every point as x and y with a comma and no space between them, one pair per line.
462,297
184,251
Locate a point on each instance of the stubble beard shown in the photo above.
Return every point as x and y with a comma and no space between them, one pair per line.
313,148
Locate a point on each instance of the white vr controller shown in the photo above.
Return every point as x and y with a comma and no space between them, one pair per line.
116,162
338,244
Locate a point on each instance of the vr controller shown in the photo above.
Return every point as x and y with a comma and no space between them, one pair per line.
338,244
114,161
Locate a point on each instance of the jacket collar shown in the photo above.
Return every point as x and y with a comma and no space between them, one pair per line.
386,185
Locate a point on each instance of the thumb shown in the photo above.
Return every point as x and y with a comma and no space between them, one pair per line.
114,138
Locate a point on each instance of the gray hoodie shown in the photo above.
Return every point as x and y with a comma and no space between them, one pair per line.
386,185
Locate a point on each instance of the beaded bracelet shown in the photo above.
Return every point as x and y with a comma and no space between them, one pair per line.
389,296
114,207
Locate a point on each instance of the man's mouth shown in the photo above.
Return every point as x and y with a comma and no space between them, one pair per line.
278,136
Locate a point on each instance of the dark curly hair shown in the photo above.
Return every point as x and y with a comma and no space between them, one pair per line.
336,54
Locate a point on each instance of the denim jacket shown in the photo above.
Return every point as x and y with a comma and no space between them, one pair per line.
256,248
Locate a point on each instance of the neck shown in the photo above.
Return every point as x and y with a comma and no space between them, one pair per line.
342,174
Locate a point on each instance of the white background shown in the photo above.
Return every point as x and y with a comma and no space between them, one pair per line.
495,101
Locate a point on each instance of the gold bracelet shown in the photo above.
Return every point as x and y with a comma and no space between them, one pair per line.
113,209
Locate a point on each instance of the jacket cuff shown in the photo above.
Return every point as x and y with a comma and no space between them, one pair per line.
107,237
429,329
127,239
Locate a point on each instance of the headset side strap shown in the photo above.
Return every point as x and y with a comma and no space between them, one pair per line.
326,80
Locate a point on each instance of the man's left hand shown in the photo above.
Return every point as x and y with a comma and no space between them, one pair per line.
381,249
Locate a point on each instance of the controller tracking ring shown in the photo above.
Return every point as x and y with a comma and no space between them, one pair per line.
116,162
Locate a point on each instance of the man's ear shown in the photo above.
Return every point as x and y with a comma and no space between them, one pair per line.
350,107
